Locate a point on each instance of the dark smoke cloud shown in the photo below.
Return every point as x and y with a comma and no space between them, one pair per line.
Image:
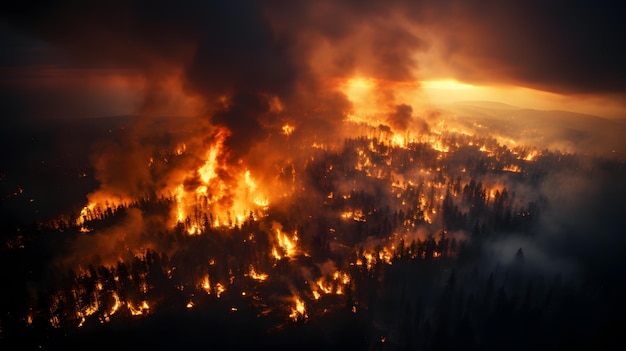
227,48
401,117
351,37
237,56
284,49
565,47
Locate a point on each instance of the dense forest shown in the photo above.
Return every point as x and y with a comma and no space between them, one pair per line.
454,242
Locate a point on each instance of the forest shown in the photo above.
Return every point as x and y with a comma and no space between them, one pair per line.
455,242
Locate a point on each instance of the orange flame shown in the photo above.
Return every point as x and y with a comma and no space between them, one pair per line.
206,284
288,129
232,199
286,244
139,310
256,276
298,311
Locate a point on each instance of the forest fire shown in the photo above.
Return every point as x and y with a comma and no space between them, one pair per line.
421,205
313,172
352,215
230,205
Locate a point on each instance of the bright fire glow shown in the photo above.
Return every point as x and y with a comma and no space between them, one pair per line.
298,311
256,276
139,310
116,305
231,202
219,289
286,245
206,284
288,129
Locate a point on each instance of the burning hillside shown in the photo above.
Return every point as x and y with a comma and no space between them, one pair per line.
336,231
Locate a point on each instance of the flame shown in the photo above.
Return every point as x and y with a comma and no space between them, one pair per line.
180,205
324,287
342,276
356,215
512,168
232,197
206,284
531,155
369,260
207,170
298,311
139,310
180,149
437,145
336,285
287,129
399,141
316,295
87,311
260,202
116,305
427,218
286,244
85,215
275,253
219,289
256,276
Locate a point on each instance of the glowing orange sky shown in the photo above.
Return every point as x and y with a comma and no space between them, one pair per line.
445,91
177,59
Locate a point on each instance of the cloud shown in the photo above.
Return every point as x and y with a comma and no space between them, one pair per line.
250,66
290,49
560,47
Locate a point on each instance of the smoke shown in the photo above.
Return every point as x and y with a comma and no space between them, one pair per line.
585,219
110,245
240,65
400,118
579,231
251,67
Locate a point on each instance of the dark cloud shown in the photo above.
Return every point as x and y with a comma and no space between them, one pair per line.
565,47
287,49
401,117
242,117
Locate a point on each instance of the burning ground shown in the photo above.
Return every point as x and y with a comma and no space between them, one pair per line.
438,240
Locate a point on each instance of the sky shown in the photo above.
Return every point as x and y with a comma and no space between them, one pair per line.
76,59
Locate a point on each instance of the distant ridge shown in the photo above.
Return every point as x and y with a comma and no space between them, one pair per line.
553,129
484,104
